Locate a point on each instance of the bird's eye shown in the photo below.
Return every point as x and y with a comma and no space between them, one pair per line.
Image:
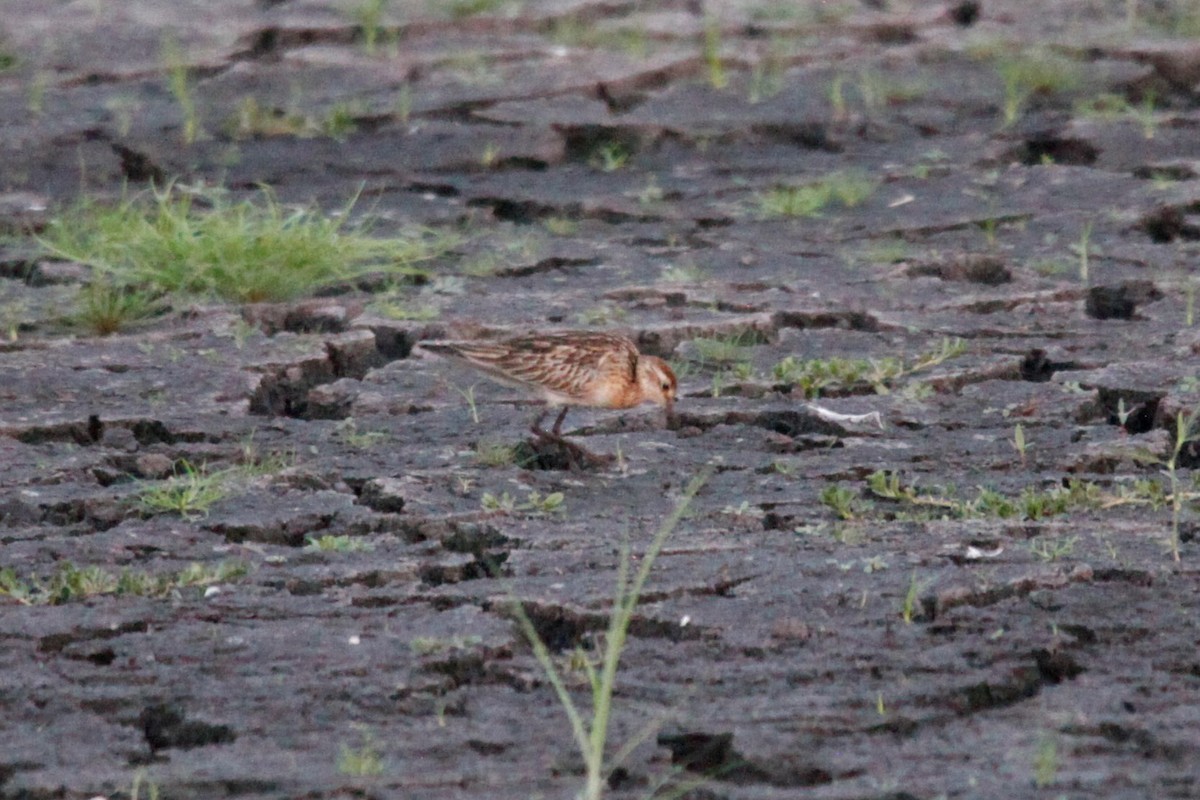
666,387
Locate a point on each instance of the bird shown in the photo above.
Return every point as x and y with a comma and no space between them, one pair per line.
569,368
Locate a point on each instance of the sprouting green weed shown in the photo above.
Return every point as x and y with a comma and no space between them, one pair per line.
1018,442
340,120
844,502
106,307
590,727
841,375
70,583
494,453
1030,503
404,103
534,503
561,226
684,272
610,156
135,787
724,350
717,78
603,314
468,395
360,762
392,307
1083,250
1034,72
1185,433
766,74
347,431
576,30
490,156
341,543
1045,762
837,97
189,493
428,645
369,16
743,510
912,596
879,90
180,86
844,189
461,9
1052,548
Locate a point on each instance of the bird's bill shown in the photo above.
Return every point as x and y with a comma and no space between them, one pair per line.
672,420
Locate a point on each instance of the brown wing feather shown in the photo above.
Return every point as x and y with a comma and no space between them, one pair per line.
569,364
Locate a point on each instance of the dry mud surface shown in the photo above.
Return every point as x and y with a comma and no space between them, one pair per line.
1004,619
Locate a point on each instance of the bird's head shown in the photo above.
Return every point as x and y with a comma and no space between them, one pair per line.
656,381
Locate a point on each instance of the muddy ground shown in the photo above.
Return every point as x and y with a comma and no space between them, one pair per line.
996,613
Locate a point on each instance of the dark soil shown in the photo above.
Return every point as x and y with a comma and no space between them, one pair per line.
803,634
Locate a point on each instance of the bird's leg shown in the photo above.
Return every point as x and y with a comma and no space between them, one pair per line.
557,429
536,428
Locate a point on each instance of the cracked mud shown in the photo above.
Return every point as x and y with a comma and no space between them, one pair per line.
975,598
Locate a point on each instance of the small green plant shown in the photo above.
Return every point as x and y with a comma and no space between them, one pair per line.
340,120
1114,107
535,503
1018,442
1185,433
845,189
822,376
684,272
837,97
390,305
766,74
912,596
490,155
1045,762
1053,548
461,9
724,350
135,788
1034,72
71,583
404,103
347,431
180,88
189,493
1083,250
106,307
494,453
35,100
561,226
1030,503
427,645
610,156
369,16
842,501
342,543
468,395
717,78
590,727
602,314
360,762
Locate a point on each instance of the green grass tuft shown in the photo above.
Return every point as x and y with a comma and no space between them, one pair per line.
200,243
845,189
